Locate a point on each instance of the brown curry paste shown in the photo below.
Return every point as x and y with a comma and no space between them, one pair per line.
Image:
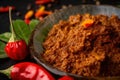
85,45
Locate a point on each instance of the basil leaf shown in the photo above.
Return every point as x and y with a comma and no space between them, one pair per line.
33,23
5,36
22,30
2,51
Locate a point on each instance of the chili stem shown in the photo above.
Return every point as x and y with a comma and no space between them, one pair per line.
13,36
7,71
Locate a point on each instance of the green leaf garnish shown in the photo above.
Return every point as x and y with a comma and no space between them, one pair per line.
5,36
2,51
22,30
32,24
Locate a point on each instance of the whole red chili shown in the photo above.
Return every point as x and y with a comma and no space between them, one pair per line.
27,71
66,78
15,49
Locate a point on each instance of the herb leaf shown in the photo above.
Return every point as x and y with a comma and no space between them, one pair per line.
5,36
22,30
2,51
33,23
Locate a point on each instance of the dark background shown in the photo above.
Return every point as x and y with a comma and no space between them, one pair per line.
21,8
22,4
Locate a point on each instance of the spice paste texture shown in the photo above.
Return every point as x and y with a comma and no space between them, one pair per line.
87,50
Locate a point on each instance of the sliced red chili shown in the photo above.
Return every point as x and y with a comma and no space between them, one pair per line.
6,9
42,1
27,21
29,14
87,23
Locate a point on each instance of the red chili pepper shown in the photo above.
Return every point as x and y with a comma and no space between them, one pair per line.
29,14
27,21
27,71
16,49
87,23
42,13
6,9
66,78
42,1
